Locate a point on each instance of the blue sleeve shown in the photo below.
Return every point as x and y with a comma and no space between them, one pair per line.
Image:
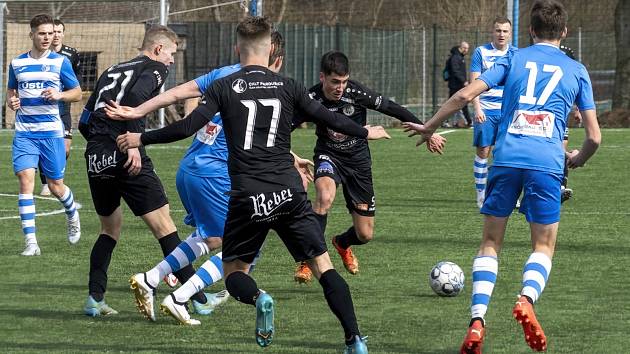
68,78
205,81
476,61
584,99
495,76
12,84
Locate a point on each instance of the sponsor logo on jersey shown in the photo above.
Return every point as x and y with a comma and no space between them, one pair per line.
335,136
209,133
239,85
264,207
31,85
98,164
348,110
533,123
253,85
45,68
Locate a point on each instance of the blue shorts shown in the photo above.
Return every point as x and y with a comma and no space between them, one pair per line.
48,153
205,200
485,134
541,194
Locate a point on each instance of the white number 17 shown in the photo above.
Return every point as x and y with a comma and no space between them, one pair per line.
251,120
529,97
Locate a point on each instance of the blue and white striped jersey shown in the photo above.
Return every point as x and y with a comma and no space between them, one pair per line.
482,59
38,118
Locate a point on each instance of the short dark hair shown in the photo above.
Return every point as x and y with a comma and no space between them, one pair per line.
335,62
58,22
41,19
548,19
278,47
156,34
253,29
501,20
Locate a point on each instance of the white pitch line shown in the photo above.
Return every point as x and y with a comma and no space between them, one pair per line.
54,212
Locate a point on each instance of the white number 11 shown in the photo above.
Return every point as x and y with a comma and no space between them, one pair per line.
529,97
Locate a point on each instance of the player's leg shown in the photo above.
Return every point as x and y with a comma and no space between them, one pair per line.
305,241
45,191
326,181
503,189
101,256
542,210
358,192
53,165
25,154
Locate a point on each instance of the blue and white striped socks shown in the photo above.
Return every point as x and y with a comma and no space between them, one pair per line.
484,273
210,272
26,206
535,274
480,168
186,252
68,203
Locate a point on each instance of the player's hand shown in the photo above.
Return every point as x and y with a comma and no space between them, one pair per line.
418,129
305,169
480,117
376,132
14,103
128,141
573,159
436,143
118,112
50,94
134,161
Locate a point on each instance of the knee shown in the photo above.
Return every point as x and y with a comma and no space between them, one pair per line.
57,188
324,202
365,233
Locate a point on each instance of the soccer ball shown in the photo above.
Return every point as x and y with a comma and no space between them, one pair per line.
446,279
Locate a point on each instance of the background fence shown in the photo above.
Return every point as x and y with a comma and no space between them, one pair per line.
395,47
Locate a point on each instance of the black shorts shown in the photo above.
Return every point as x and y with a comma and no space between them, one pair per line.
288,212
109,180
358,189
66,119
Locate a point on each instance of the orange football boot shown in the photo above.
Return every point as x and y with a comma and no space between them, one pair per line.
349,260
474,339
303,273
524,314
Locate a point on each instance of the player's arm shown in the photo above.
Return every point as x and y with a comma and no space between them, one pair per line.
68,80
167,98
179,130
479,115
577,158
339,122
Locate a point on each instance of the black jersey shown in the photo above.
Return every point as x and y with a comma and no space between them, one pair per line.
73,56
354,103
130,83
257,107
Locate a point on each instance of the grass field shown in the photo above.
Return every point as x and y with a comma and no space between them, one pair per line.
425,213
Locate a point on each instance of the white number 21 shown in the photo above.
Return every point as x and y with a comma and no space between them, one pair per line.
251,120
529,97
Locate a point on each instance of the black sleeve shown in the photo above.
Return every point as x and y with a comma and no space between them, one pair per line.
318,113
371,99
75,61
179,130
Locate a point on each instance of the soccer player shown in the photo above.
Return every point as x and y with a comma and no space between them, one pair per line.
129,175
488,105
203,184
64,107
540,85
257,107
38,81
346,160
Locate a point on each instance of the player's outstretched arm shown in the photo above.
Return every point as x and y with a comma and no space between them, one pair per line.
177,93
577,158
480,117
304,168
72,95
179,130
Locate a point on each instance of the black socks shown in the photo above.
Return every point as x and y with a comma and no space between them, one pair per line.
99,263
339,300
242,287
